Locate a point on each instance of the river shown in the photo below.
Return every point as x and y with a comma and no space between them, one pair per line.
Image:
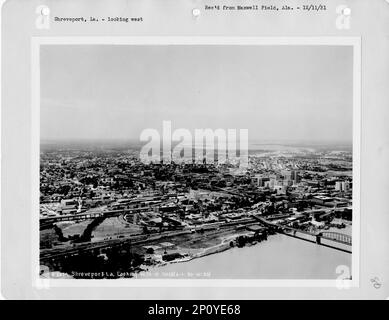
280,257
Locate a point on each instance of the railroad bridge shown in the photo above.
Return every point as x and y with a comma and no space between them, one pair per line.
336,236
329,236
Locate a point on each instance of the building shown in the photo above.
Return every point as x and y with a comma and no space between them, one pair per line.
290,177
287,174
342,186
295,176
69,206
259,180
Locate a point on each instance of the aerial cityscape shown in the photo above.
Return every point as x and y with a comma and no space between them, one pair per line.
282,209
103,213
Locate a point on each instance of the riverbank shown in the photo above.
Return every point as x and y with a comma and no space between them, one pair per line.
200,252
280,257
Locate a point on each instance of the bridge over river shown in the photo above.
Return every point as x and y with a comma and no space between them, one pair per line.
331,239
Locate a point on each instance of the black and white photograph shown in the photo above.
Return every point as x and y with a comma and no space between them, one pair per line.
206,161
194,157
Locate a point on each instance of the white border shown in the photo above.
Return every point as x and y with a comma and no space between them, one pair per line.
36,42
1,136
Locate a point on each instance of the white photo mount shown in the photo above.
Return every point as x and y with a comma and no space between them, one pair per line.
44,24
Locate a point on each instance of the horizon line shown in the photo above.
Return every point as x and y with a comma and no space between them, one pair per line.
258,141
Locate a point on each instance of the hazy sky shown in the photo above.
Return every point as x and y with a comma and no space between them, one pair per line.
276,92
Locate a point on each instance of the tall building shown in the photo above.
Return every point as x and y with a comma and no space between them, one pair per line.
290,177
295,176
287,175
